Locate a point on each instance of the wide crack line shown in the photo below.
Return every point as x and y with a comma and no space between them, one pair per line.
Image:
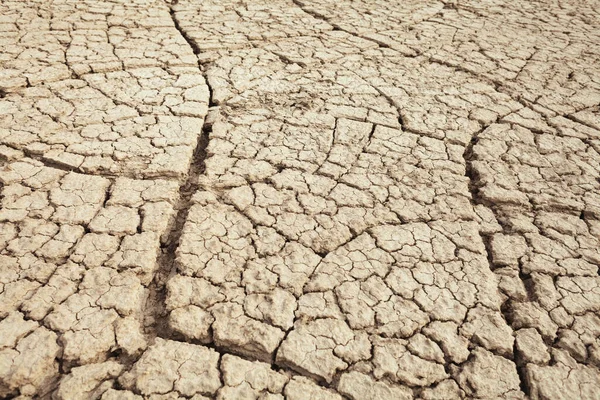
155,313
476,199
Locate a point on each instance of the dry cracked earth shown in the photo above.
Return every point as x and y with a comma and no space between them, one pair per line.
307,199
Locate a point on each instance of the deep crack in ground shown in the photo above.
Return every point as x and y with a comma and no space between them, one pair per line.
294,199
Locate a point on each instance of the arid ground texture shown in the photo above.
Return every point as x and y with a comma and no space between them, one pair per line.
299,199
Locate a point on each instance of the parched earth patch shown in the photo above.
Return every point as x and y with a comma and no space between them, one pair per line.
299,199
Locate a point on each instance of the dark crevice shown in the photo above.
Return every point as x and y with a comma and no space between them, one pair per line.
156,314
469,171
182,31
274,357
476,199
401,121
521,371
166,259
196,50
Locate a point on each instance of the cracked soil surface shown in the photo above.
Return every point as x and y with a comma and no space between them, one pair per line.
299,199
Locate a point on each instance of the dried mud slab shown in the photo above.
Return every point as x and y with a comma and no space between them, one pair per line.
297,199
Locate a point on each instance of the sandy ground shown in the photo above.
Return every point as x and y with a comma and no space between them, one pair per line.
308,199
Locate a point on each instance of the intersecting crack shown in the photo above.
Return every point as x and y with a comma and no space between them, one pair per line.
324,199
